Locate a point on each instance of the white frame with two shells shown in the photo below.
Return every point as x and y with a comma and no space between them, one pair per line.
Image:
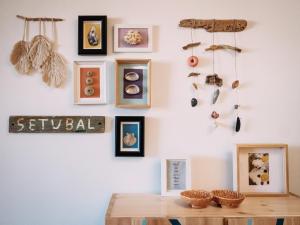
132,49
102,65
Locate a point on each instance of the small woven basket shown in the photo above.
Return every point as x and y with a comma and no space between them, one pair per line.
197,198
228,198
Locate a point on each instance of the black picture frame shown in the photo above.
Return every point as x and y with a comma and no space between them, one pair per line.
82,50
136,149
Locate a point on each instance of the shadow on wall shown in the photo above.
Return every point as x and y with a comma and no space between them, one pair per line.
160,79
206,171
294,168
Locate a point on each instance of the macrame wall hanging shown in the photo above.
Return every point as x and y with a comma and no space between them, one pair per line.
40,54
214,79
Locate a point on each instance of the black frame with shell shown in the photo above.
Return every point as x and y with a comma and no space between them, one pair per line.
119,152
102,37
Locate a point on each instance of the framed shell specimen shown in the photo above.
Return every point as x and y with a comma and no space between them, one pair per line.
129,136
132,38
90,82
133,83
92,35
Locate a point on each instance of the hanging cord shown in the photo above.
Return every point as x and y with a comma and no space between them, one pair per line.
24,31
236,74
213,67
54,33
192,41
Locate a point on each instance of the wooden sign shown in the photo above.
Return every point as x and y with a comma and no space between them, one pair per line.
56,124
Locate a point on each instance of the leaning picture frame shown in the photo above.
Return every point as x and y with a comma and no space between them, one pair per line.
133,83
129,136
175,176
132,38
92,35
90,85
262,169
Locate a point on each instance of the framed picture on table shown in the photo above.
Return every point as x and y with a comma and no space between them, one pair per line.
132,38
92,35
133,83
262,169
90,82
129,137
175,176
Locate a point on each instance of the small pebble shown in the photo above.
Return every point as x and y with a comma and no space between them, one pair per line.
194,102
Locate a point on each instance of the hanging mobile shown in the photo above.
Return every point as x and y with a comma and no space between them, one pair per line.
193,62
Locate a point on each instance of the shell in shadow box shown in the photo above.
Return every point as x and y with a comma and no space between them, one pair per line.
132,89
228,198
197,198
131,76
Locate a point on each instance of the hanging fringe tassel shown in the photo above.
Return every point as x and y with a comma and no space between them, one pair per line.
39,51
54,70
19,55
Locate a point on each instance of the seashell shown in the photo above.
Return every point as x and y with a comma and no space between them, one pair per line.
214,115
89,73
238,124
195,86
133,37
131,76
193,74
194,102
89,80
236,106
132,89
129,139
235,84
215,96
89,90
192,61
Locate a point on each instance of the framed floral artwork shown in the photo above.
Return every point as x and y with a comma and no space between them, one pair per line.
129,136
90,82
132,38
92,35
262,169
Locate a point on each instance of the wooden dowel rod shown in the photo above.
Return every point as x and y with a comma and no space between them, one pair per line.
39,18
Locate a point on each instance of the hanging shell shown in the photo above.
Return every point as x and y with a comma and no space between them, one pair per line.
238,124
215,96
40,50
235,84
54,70
214,115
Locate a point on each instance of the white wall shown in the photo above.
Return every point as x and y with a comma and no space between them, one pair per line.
48,179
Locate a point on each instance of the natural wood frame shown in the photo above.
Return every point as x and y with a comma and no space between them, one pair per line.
133,26
164,183
102,65
284,147
117,91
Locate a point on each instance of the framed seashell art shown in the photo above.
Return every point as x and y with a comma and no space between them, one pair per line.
92,35
90,82
133,83
132,38
129,136
262,169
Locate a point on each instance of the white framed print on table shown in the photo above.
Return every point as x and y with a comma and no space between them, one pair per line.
175,176
90,82
132,38
133,83
262,169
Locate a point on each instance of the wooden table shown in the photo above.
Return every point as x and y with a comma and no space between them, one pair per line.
150,209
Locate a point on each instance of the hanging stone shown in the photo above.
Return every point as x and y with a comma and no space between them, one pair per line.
236,106
214,115
215,96
194,102
235,84
238,124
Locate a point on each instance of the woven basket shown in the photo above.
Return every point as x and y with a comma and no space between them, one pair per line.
197,198
228,198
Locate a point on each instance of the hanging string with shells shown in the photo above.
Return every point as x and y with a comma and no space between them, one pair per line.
40,54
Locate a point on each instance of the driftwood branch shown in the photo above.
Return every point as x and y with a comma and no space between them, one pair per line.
219,47
39,18
215,25
191,45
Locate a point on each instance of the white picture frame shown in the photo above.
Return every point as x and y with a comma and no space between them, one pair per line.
262,169
175,176
145,31
97,73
